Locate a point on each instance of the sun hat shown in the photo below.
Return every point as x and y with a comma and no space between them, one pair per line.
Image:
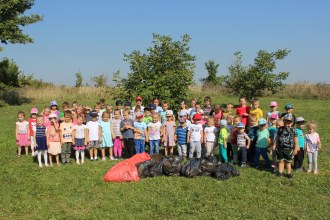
300,119
34,111
52,115
288,106
182,120
262,121
274,116
240,125
139,115
52,103
223,122
127,103
273,103
197,117
288,117
138,98
169,112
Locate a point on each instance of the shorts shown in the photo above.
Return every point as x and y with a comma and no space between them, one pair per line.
93,145
284,154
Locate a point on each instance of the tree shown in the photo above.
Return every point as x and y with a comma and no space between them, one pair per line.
12,19
79,79
9,73
165,71
252,80
212,70
100,80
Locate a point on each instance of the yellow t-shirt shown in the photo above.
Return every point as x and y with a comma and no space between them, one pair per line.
257,112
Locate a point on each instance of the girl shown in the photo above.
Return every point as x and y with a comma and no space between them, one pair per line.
116,134
40,139
210,133
154,128
53,140
168,132
93,135
22,134
54,109
32,124
312,145
46,113
79,140
273,110
217,115
195,136
106,132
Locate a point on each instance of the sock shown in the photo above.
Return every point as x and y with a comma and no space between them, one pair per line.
39,158
46,157
77,155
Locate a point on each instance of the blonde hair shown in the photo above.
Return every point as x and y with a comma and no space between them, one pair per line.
312,124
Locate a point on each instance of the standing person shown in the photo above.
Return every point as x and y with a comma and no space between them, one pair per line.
53,140
168,132
255,109
154,129
210,133
242,138
299,157
22,134
117,137
106,133
263,140
80,140
32,125
312,146
40,139
207,108
195,137
181,138
66,129
222,140
286,145
127,131
243,110
94,136
273,110
140,133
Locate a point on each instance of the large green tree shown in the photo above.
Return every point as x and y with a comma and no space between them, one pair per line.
252,80
12,19
165,71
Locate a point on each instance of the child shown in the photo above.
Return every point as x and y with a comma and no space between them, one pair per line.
228,111
66,129
140,133
263,140
210,133
223,135
127,129
80,140
289,110
181,138
154,128
272,134
195,136
54,109
312,146
32,124
243,110
40,139
22,134
106,132
230,129
299,157
53,140
207,108
273,110
165,107
286,145
46,113
168,132
242,138
217,115
252,133
93,136
255,109
237,119
116,134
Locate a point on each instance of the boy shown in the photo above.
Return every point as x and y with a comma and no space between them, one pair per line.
140,133
243,110
195,136
255,109
207,108
263,140
66,129
93,135
127,129
181,138
242,138
299,157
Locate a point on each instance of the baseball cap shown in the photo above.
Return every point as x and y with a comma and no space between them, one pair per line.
288,106
273,103
274,116
300,119
262,121
152,106
93,113
138,98
223,122
240,125
169,112
139,115
182,120
288,117
53,115
197,117
52,103
127,103
34,111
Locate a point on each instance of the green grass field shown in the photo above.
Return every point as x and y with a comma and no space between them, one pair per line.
78,191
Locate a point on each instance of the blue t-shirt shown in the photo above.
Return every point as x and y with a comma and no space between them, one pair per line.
181,135
141,127
301,137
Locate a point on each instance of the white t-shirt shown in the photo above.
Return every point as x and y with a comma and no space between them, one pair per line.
210,133
93,128
195,132
154,130
80,131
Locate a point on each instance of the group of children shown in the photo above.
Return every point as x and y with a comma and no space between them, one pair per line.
241,134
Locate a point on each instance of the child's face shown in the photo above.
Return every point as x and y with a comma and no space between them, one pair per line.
241,130
80,121
255,104
252,122
165,106
117,115
105,118
126,116
40,121
33,116
156,102
236,121
67,118
20,117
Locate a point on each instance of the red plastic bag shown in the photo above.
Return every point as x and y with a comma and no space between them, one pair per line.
126,171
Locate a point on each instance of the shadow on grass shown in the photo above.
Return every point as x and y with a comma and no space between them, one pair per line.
12,97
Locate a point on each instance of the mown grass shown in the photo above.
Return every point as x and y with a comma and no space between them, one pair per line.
78,192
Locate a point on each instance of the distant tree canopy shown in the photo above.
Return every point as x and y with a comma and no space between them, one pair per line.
252,80
12,18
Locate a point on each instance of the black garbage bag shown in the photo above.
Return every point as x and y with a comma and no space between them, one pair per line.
225,171
191,168
208,165
144,168
172,166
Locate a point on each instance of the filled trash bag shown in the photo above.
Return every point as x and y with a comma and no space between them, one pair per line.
126,170
191,168
209,164
172,166
225,171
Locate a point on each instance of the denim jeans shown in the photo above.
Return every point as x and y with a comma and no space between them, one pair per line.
263,153
139,145
154,146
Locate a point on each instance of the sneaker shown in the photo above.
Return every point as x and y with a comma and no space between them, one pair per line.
289,176
103,158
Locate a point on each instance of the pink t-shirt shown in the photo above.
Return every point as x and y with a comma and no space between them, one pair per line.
312,142
241,110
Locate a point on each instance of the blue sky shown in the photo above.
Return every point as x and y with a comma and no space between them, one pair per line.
92,36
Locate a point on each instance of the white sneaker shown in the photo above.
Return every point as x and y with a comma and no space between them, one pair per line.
112,158
103,158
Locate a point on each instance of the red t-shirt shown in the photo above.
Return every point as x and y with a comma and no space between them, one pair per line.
241,110
32,123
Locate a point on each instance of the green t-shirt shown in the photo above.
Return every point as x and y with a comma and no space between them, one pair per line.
223,135
263,136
